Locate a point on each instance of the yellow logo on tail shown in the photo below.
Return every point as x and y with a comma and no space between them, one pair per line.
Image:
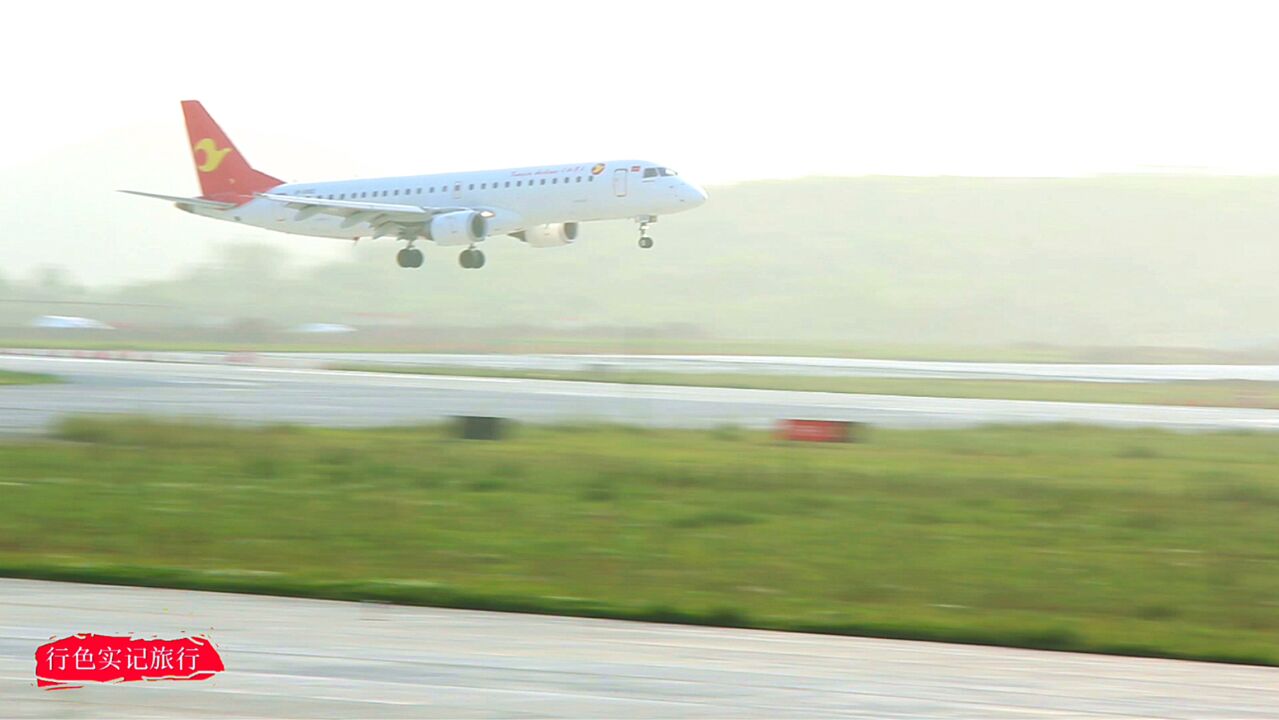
212,155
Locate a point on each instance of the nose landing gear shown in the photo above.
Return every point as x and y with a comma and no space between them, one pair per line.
645,241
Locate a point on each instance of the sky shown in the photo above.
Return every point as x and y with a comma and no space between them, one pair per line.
722,92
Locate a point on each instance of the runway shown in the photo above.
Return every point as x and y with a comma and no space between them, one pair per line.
716,364
316,659
803,366
354,399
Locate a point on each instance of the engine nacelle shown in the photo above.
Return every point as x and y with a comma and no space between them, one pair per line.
550,235
458,228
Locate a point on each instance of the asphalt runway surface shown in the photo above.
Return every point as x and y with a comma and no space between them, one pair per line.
805,366
729,364
317,659
357,399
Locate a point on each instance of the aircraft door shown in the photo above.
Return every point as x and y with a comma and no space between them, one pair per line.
619,182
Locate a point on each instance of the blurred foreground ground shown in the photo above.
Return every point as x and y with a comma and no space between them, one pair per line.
311,659
1060,537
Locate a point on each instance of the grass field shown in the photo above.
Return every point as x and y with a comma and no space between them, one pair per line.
1061,537
1209,393
8,377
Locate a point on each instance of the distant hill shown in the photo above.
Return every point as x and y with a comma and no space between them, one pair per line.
1124,260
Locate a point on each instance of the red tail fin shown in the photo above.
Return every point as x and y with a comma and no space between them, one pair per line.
224,173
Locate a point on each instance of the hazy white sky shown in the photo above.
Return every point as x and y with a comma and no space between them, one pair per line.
722,91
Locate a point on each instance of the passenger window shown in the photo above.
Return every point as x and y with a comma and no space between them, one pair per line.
555,181
543,182
471,186
519,183
590,179
508,183
579,178
342,196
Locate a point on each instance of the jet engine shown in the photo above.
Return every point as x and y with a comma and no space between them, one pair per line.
550,235
458,228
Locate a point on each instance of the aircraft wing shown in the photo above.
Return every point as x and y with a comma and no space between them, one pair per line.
386,218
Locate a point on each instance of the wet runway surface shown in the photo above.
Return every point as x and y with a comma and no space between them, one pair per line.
717,364
306,658
805,366
355,399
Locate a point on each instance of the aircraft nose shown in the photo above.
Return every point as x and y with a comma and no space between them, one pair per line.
693,195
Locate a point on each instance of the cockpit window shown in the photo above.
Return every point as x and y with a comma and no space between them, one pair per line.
667,172
651,172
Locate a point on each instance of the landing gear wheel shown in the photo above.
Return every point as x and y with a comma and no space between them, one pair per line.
471,259
645,241
409,258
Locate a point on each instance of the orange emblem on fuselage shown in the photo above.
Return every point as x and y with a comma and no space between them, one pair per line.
599,168
212,155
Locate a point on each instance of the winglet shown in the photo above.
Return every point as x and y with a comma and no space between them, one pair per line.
224,174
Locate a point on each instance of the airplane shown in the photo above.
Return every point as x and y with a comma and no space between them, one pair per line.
541,206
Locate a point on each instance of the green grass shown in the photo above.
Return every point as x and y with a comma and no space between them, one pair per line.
8,377
1211,393
1060,537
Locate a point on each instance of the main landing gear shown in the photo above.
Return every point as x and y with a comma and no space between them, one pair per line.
409,257
645,241
471,259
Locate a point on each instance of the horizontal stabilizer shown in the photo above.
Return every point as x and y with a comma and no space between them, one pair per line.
195,202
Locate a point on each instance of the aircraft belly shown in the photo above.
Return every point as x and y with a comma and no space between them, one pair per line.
278,217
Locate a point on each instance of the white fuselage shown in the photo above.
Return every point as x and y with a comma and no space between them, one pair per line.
517,199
